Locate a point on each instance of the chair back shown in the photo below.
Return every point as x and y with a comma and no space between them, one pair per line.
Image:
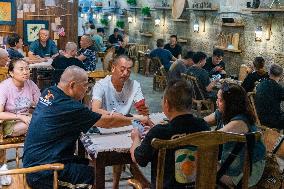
140,47
156,66
108,58
3,73
19,175
98,74
197,91
251,97
207,144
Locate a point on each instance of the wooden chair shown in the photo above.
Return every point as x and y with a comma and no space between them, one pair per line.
251,97
207,144
14,141
160,75
140,54
108,58
201,105
18,174
3,73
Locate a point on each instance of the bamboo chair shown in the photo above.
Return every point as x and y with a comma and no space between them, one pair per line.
201,105
19,174
140,54
160,75
251,96
207,144
108,58
3,73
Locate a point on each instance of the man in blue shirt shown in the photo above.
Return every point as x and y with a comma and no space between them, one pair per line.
164,55
43,47
56,125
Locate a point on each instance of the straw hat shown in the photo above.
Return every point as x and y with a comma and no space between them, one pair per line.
177,9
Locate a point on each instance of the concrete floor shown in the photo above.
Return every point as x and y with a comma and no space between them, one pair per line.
153,99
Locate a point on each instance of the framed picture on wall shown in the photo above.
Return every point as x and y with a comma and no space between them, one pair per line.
31,29
8,12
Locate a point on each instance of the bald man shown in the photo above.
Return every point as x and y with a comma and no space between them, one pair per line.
57,122
61,62
87,53
4,58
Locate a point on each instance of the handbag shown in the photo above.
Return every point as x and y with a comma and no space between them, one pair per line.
272,177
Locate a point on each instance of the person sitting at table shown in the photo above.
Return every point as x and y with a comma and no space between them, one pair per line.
4,58
202,75
268,98
117,93
174,47
56,125
176,105
235,114
15,42
164,55
17,95
116,40
42,48
180,66
87,53
214,65
98,40
61,62
258,74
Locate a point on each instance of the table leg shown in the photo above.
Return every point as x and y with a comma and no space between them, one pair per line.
99,173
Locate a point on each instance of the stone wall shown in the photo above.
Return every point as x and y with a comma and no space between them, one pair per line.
272,50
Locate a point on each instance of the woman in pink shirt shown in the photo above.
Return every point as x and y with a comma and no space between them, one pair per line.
17,95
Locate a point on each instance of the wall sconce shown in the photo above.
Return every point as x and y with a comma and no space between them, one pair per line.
109,17
196,26
130,19
157,21
258,33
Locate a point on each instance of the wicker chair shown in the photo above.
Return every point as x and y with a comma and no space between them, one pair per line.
140,54
160,75
251,96
108,58
3,73
207,144
201,105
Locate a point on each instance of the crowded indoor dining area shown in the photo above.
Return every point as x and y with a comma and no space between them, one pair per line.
160,94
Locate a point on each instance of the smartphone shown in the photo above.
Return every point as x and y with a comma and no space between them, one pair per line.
137,124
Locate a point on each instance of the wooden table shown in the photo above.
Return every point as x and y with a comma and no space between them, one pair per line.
112,149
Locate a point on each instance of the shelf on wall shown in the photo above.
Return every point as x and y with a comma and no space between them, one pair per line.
230,50
203,9
135,7
179,20
233,24
147,18
147,34
182,40
163,8
259,10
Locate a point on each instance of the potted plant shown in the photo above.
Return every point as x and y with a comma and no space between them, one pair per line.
131,2
104,21
146,11
120,24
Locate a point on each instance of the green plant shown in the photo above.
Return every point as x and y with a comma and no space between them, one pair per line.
146,11
120,24
104,21
131,2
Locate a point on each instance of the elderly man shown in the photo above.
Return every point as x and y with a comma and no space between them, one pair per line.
176,104
4,58
269,95
42,48
57,122
87,53
61,62
117,93
214,65
174,47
